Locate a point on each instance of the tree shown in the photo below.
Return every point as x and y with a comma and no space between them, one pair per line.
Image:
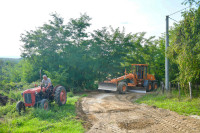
184,49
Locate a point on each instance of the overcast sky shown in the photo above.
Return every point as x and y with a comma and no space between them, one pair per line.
18,16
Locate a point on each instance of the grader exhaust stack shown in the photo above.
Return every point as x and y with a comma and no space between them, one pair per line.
138,81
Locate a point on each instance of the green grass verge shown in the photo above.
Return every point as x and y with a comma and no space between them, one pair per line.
57,119
183,106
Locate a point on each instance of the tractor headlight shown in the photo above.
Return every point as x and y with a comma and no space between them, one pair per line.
36,93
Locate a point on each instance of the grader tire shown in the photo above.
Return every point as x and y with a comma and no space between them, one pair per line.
155,85
122,87
149,87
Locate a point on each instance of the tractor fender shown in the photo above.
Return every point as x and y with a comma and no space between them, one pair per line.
54,89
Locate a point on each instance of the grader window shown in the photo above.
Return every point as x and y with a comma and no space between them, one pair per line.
142,72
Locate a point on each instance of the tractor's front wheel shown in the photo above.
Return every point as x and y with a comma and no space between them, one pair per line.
60,95
122,87
44,104
20,106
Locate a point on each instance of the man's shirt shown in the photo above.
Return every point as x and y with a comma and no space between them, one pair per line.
46,82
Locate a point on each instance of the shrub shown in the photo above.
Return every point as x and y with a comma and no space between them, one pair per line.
70,94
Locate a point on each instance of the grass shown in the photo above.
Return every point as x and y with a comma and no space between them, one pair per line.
183,105
58,119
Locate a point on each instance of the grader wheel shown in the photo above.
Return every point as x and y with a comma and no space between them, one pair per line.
149,87
122,87
155,85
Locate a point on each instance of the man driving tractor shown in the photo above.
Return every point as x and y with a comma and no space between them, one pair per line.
47,83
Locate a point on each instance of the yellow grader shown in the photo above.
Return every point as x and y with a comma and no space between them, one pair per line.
136,81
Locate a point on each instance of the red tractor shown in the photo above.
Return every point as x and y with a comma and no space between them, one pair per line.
37,97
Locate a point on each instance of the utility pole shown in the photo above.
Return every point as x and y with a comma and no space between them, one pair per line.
166,59
167,45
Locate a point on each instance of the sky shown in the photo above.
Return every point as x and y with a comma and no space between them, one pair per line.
19,16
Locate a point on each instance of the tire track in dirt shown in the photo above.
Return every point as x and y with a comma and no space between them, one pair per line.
115,113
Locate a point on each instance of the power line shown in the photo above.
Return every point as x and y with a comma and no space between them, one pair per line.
174,20
179,11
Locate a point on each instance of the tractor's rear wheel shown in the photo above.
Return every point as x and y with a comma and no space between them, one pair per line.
44,104
60,95
155,85
122,87
20,106
149,87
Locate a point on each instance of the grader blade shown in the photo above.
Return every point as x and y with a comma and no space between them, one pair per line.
107,86
138,90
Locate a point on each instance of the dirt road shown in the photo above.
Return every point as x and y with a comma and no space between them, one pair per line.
115,113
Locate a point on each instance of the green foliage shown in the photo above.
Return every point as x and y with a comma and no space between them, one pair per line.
78,59
184,47
70,94
58,77
191,2
9,108
183,106
84,95
74,58
57,119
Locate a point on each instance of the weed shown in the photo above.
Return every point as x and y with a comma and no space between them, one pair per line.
84,95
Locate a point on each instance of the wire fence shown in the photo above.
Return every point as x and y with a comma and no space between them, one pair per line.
191,90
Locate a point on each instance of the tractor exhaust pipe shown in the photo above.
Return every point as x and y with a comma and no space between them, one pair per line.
41,80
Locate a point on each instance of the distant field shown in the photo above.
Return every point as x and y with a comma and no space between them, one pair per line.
16,60
57,119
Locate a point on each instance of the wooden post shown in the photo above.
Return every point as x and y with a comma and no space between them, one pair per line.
179,94
163,88
170,89
190,88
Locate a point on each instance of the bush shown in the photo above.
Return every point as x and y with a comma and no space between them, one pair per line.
70,94
8,108
84,95
15,95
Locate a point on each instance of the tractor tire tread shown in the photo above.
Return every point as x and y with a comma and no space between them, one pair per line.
57,95
42,103
19,106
